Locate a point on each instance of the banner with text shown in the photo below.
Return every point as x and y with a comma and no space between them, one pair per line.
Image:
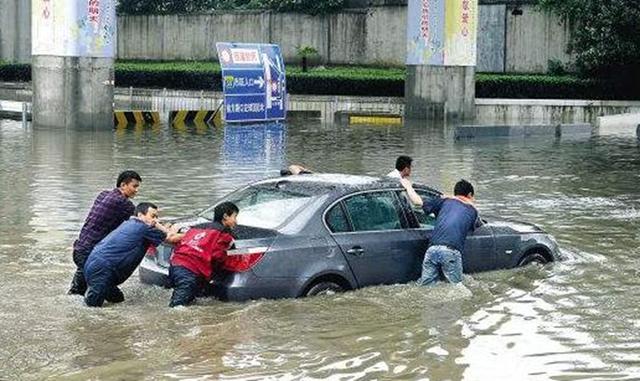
76,28
253,81
442,32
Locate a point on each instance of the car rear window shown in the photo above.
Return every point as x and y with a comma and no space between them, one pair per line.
264,207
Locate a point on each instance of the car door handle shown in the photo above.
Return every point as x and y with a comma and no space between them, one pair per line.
356,250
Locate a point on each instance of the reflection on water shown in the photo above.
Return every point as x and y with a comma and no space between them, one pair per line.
574,320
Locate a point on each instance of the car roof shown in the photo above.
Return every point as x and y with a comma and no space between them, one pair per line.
322,183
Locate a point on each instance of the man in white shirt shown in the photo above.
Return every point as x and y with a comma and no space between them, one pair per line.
403,168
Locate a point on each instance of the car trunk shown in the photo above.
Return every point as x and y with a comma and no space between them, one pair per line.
249,241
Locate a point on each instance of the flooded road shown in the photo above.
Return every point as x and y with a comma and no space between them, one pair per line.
574,320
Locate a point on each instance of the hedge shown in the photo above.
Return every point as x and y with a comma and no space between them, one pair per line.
15,72
363,81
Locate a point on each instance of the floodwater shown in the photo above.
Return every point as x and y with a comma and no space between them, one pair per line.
574,320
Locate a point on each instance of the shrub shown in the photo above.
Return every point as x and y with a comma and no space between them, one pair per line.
550,87
140,7
555,67
15,72
349,80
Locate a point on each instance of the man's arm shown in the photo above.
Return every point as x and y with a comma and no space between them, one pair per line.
172,235
413,196
478,222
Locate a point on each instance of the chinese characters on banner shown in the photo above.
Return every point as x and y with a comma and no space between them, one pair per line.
93,13
76,28
442,32
254,82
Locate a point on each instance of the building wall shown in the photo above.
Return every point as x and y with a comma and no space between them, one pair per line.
533,39
507,42
15,30
491,35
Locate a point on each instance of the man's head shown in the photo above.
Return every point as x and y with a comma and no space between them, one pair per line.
403,165
226,214
463,188
147,212
128,182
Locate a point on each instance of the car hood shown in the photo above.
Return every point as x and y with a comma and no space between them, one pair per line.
516,226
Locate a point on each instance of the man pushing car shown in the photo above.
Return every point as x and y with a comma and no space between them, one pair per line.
116,257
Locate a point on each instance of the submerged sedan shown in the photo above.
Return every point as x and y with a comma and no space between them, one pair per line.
321,233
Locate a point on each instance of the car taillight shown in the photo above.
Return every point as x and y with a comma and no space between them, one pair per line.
239,260
152,251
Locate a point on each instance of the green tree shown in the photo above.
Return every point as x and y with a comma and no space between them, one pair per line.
605,36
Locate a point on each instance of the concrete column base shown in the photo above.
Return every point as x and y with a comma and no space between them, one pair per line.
433,92
72,91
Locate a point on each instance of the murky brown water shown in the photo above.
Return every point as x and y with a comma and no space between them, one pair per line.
575,320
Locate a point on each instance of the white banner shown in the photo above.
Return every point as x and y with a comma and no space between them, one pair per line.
75,28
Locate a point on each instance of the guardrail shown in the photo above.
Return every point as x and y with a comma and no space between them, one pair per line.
15,109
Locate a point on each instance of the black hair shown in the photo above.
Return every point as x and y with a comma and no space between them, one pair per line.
463,188
144,207
126,177
403,162
285,172
226,208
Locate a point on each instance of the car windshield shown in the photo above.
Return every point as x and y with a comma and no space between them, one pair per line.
264,207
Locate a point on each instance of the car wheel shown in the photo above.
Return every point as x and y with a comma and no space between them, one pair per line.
324,288
535,258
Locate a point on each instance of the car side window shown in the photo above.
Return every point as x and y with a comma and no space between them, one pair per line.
374,211
337,220
426,221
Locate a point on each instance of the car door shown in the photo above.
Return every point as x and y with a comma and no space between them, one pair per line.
376,240
480,248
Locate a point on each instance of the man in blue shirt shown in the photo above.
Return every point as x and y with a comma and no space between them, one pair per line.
116,257
455,218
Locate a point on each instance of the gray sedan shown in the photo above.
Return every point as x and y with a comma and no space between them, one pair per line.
313,234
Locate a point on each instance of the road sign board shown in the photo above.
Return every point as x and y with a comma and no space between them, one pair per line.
254,82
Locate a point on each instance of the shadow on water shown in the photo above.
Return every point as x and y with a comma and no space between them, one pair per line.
576,319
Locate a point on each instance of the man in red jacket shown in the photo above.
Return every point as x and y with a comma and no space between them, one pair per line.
194,258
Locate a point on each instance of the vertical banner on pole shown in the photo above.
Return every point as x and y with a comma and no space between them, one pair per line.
75,28
442,32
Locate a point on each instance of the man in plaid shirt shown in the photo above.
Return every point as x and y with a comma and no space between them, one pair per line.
109,210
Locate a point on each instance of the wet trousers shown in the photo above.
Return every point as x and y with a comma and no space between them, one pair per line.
102,285
441,262
79,284
186,285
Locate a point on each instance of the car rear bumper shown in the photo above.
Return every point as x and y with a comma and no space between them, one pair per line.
229,286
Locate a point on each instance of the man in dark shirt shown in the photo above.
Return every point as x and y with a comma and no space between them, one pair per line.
116,257
109,210
455,218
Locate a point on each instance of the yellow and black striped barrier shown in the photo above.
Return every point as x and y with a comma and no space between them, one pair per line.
181,117
135,118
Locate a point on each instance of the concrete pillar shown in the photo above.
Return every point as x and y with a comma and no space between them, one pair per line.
15,31
72,91
431,91
73,45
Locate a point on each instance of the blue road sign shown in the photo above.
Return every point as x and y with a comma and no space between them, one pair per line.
254,82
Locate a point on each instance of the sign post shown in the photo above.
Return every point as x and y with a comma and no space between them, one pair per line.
254,82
